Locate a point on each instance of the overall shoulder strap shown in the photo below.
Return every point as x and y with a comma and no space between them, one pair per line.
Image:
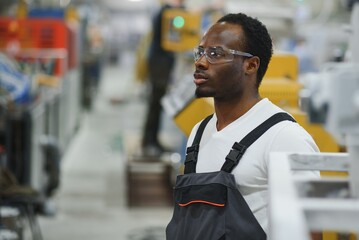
192,151
239,148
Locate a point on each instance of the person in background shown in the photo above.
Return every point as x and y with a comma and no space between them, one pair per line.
230,63
160,67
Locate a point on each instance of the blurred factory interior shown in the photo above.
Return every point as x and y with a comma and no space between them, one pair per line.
73,100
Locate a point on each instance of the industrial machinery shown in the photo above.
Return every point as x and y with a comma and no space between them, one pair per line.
42,47
36,128
299,206
182,30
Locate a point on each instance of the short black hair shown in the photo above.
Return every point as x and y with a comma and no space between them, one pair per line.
257,39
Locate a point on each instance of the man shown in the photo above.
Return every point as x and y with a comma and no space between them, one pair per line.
160,65
230,63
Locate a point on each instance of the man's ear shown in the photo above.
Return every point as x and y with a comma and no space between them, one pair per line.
251,65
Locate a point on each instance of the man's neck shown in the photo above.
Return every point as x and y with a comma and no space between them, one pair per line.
227,112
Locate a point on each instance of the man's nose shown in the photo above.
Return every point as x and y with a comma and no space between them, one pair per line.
202,61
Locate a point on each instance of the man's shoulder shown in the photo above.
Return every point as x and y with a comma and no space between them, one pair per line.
292,136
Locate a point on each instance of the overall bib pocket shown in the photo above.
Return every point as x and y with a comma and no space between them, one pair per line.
200,203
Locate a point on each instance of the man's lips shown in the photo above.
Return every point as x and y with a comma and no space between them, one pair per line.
200,78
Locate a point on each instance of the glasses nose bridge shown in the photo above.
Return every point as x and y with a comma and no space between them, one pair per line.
204,54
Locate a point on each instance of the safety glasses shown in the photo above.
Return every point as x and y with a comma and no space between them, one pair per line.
217,55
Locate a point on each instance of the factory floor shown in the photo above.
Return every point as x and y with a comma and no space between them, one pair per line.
91,203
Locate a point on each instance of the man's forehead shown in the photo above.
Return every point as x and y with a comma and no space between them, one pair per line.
223,33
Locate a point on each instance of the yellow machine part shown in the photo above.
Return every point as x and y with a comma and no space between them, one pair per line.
21,9
181,30
281,91
71,14
282,65
329,235
194,112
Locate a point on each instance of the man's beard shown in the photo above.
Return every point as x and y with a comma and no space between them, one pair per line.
200,93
